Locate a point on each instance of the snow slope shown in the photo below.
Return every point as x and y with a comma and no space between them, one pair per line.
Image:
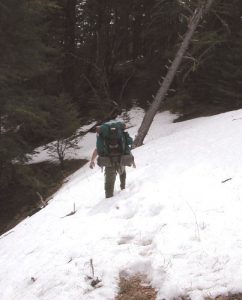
178,221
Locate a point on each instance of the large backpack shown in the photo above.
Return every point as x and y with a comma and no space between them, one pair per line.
113,141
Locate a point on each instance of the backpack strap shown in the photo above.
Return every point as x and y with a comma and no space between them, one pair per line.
101,146
128,143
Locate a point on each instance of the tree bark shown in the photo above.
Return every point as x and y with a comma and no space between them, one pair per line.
69,75
160,96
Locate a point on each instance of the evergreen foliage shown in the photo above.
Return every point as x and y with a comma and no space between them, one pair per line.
209,79
29,58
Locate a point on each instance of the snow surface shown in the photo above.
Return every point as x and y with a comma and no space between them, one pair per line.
178,221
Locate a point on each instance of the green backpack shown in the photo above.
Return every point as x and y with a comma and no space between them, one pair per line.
112,140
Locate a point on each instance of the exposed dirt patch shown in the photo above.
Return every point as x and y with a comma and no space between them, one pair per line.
135,288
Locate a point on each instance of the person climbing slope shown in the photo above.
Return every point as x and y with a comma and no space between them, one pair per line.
113,149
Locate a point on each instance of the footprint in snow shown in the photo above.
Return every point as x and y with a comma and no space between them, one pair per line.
125,239
155,210
104,206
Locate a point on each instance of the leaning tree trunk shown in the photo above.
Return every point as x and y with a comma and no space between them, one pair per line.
149,116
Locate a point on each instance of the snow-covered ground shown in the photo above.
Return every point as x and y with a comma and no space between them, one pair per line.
178,221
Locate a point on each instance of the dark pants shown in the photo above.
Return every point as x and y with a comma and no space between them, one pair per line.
110,177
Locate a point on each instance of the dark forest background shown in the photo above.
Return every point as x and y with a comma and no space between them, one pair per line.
64,63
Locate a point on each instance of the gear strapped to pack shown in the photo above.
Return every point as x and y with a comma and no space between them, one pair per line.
113,141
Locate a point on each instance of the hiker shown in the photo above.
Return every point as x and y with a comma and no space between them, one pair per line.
113,149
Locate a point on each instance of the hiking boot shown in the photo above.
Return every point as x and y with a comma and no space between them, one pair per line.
109,196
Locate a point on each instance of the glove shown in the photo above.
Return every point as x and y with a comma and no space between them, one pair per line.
92,164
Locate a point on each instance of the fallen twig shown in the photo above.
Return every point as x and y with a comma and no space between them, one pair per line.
94,282
6,234
41,199
72,212
226,180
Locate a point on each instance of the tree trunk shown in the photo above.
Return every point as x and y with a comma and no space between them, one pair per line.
150,114
136,44
69,75
102,34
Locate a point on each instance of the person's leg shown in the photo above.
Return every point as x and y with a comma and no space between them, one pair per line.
122,177
110,176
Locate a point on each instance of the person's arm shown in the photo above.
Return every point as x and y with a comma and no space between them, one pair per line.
92,162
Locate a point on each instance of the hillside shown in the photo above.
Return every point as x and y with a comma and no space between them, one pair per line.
178,221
